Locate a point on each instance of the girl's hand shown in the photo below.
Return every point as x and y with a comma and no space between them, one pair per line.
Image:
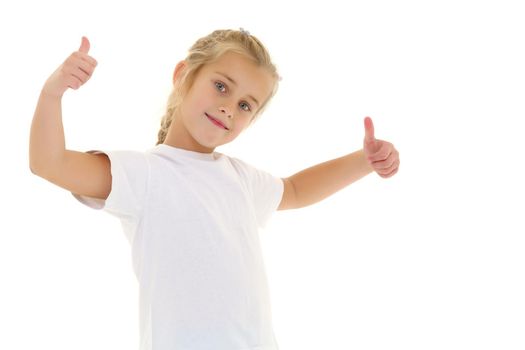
381,155
73,73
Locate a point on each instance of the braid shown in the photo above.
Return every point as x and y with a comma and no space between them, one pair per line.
165,125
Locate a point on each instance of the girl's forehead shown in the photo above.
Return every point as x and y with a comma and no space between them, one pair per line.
241,71
233,61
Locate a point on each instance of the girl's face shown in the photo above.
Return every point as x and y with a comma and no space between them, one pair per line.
228,92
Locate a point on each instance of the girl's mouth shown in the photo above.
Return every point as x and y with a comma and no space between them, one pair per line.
216,122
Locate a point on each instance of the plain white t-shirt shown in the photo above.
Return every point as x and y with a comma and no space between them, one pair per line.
192,220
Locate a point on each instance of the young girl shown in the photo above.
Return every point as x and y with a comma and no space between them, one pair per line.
192,214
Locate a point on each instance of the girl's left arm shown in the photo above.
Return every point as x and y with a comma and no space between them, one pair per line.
314,184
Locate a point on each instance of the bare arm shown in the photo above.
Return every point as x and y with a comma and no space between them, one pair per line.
47,142
322,180
78,172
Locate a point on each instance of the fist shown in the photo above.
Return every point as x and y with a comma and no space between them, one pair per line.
381,155
73,73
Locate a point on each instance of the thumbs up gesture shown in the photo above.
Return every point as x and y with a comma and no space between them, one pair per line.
381,155
73,73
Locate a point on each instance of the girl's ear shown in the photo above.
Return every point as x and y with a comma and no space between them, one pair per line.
178,70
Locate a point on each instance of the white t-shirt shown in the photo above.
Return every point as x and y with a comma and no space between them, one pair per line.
192,220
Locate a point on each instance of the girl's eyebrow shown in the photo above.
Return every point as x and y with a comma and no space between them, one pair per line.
234,83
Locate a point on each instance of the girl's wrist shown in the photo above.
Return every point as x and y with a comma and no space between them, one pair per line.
49,93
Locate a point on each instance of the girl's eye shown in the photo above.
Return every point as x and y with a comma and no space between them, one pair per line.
245,107
220,86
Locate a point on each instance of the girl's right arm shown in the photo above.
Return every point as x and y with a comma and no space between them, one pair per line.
81,173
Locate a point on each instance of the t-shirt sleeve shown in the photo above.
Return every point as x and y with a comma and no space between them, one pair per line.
129,183
266,190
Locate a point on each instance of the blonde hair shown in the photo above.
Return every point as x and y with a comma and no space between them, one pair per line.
207,50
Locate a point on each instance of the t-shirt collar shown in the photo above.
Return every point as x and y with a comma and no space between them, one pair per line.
180,152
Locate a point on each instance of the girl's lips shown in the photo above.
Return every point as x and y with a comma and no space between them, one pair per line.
216,121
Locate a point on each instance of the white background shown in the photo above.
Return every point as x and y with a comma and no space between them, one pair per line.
432,258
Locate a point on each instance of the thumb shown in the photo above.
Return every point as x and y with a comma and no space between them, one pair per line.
84,47
369,131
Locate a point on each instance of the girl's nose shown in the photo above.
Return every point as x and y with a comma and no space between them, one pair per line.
225,111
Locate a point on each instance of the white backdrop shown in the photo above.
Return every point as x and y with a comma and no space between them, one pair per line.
429,259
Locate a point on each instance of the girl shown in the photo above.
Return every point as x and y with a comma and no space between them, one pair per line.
192,214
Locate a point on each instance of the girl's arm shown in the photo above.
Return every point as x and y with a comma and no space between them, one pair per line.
47,142
314,184
78,172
